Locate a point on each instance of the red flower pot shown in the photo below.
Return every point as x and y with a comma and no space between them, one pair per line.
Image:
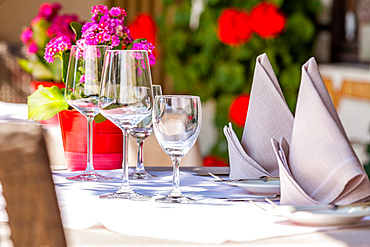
34,85
107,142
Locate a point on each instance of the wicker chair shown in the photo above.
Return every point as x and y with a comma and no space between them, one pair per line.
28,188
14,81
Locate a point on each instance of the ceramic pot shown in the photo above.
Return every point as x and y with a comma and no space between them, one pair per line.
107,142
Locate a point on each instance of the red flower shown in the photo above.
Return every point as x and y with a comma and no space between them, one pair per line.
239,109
233,27
211,160
145,27
266,20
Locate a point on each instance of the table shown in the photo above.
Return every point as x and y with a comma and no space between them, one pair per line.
210,221
90,221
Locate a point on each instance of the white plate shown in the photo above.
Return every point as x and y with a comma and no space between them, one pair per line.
328,217
259,187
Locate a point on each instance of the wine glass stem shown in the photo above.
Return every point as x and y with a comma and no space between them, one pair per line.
140,159
89,166
125,184
176,177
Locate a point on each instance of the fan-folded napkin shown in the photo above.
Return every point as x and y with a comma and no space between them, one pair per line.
319,166
268,117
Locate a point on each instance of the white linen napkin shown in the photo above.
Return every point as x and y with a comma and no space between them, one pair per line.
268,117
319,166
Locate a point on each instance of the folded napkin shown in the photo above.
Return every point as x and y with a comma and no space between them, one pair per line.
268,117
319,166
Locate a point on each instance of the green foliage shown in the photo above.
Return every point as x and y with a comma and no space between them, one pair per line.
36,65
77,29
45,102
200,64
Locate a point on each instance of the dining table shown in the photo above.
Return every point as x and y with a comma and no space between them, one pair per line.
223,214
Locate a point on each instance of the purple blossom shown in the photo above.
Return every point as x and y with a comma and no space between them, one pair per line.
145,45
55,47
26,35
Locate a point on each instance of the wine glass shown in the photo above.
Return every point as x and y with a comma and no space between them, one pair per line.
82,93
176,121
140,133
126,99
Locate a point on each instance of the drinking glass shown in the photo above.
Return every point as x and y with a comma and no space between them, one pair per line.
126,99
82,93
140,133
176,121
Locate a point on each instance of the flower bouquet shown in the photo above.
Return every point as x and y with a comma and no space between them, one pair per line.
106,27
48,23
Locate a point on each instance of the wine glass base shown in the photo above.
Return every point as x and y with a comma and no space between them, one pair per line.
126,195
90,177
175,199
142,175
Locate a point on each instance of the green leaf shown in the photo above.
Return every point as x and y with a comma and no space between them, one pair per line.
77,29
39,33
40,71
129,47
301,27
138,40
45,102
65,61
99,118
37,69
25,65
56,70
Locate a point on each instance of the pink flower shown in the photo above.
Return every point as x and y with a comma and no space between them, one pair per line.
60,26
106,27
99,9
55,47
48,11
145,45
26,35
82,79
117,12
32,48
35,20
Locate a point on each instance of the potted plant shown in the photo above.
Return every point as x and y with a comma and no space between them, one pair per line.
48,23
106,27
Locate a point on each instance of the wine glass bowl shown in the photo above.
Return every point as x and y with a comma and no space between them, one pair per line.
82,93
177,121
140,132
126,99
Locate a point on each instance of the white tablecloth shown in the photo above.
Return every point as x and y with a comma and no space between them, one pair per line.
210,220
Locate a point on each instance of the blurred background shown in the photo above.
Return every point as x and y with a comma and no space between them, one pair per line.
209,48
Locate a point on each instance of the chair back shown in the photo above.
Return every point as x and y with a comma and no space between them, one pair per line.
28,187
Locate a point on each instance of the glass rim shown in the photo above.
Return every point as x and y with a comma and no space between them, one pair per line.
122,51
177,96
83,46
